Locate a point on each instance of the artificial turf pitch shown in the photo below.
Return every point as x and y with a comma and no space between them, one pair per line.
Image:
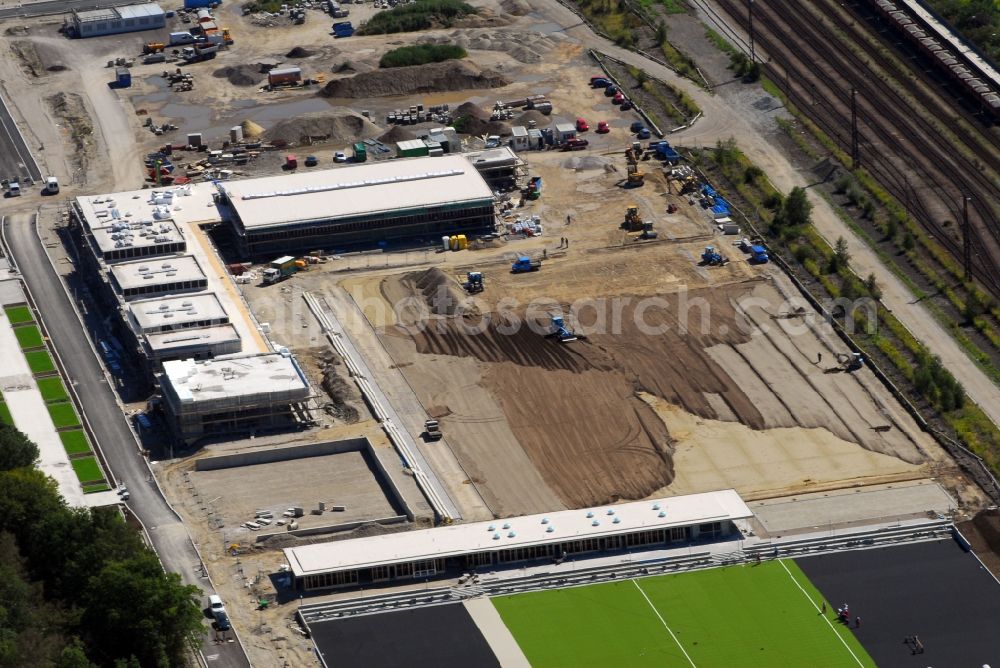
750,616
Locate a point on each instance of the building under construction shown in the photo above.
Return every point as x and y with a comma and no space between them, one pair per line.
233,394
336,208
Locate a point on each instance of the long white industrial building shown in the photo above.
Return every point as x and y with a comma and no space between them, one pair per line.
651,524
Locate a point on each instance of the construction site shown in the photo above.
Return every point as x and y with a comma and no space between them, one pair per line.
530,299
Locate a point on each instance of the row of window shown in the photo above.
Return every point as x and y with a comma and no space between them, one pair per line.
411,569
324,580
165,288
320,229
128,252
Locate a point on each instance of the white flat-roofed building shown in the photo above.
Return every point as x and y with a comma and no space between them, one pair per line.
168,314
197,343
114,20
650,524
366,203
233,393
153,277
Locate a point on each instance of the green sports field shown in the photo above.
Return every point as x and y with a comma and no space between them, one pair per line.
758,616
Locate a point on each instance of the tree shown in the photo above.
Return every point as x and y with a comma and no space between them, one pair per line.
975,306
796,209
133,608
871,284
909,242
16,451
841,252
891,229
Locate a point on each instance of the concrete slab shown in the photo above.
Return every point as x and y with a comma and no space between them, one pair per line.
30,416
810,512
497,635
10,290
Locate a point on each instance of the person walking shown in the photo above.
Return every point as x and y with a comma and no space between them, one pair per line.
857,622
823,609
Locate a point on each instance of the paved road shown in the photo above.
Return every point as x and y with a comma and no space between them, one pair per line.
15,158
114,436
58,7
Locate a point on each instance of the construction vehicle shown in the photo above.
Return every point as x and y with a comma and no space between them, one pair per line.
153,47
635,178
758,255
343,29
524,264
633,223
647,231
850,361
198,53
279,270
432,430
558,330
475,282
713,258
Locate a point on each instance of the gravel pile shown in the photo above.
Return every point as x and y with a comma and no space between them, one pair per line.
430,78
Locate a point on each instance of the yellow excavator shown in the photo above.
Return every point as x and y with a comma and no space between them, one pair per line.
633,155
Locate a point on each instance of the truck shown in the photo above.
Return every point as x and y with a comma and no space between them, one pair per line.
279,270
432,430
524,264
198,53
343,29
360,152
758,255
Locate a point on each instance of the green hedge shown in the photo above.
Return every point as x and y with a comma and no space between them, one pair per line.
419,15
421,54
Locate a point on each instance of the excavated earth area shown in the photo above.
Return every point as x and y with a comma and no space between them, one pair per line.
606,417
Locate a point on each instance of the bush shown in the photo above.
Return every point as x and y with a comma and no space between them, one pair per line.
419,15
421,54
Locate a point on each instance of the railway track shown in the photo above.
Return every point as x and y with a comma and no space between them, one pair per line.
902,148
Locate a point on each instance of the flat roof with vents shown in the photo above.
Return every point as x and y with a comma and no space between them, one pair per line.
239,379
188,341
160,271
529,530
356,190
171,313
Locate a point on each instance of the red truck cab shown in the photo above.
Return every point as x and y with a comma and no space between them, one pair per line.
581,125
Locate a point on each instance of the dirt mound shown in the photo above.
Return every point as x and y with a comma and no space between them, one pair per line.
516,7
397,133
540,119
240,75
419,295
431,78
299,52
582,164
983,533
78,127
251,129
28,57
342,394
471,119
324,126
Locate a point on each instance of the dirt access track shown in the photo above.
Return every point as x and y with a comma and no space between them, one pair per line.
671,392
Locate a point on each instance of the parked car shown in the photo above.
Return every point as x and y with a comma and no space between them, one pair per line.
581,125
311,161
339,156
610,90
599,82
626,105
643,133
602,127
635,127
575,144
618,98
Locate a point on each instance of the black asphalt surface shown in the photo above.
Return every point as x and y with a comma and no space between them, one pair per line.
933,590
15,157
441,636
109,424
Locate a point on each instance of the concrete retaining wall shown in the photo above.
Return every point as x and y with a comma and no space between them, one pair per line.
332,528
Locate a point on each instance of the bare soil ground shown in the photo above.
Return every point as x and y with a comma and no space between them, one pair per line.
983,532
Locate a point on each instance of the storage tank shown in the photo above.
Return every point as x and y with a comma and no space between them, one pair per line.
236,134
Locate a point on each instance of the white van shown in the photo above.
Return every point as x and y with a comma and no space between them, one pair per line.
14,189
52,185
215,603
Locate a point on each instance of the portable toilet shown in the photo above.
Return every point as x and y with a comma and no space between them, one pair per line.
123,78
463,242
454,243
291,162
446,242
360,152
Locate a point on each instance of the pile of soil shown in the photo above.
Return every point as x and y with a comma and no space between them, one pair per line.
341,393
324,126
983,533
420,294
77,124
28,58
471,119
251,129
240,75
299,52
430,78
57,67
516,7
540,119
397,133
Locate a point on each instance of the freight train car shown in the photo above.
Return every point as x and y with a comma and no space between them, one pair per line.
953,57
